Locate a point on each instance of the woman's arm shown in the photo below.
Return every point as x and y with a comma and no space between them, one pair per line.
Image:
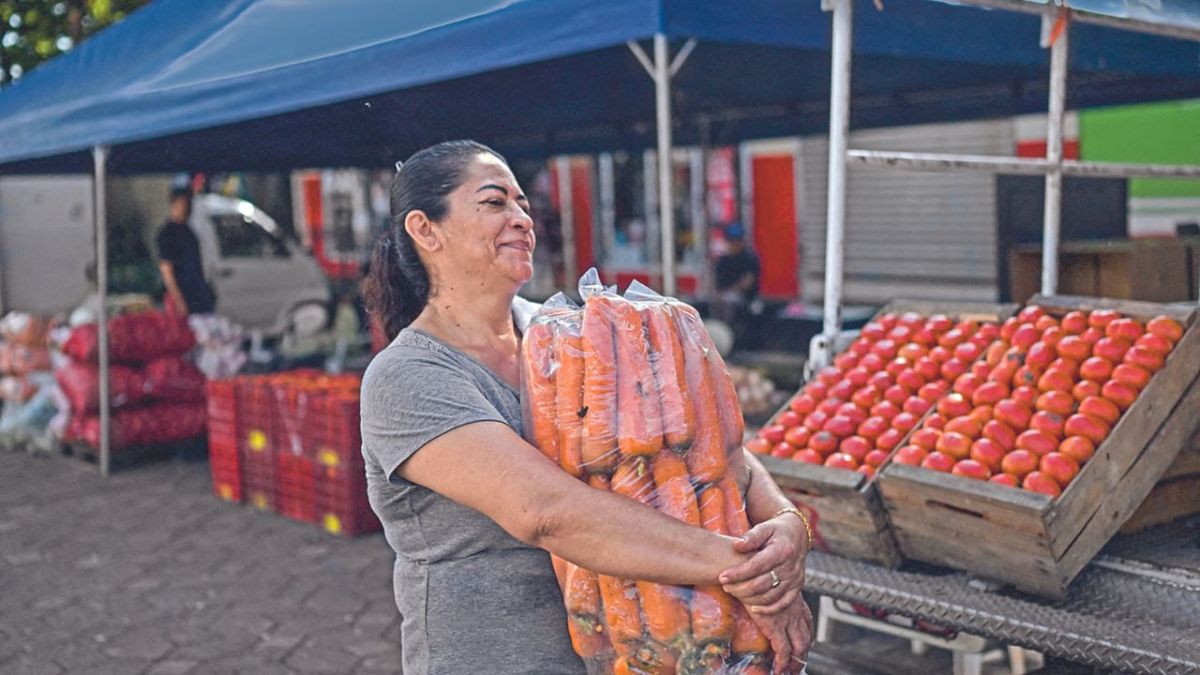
491,469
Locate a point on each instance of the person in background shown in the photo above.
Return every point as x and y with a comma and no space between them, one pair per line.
187,291
737,275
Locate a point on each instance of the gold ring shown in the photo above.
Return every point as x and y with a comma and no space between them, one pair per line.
774,579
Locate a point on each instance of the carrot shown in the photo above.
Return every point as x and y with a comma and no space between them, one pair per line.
633,479
599,388
712,510
622,618
587,639
729,407
568,385
639,417
676,497
747,638
560,571
667,613
735,510
582,593
539,386
706,458
666,358
713,613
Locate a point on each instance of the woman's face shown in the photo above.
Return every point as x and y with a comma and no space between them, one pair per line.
487,232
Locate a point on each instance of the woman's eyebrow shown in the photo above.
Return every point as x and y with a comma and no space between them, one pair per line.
492,186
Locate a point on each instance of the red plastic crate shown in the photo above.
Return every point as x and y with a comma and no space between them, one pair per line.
223,456
294,487
225,464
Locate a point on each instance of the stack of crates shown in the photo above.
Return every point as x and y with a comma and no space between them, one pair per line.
258,440
223,434
341,488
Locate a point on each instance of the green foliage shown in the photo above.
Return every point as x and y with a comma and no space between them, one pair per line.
33,31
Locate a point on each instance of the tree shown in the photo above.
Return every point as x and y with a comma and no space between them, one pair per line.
33,31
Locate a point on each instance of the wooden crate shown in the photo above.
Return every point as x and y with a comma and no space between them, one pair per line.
844,506
1031,540
1177,494
1155,270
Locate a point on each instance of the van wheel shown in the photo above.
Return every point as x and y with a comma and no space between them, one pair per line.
307,320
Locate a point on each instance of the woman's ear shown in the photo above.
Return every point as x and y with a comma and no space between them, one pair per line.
423,231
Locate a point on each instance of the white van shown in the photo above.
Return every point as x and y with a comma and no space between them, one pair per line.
263,279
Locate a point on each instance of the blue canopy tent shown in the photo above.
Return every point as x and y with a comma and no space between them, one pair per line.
280,84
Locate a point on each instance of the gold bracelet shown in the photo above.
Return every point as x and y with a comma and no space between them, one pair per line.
803,519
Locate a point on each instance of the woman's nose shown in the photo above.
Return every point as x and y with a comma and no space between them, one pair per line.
522,219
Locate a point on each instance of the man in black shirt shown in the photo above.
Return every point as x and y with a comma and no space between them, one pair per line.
180,261
737,274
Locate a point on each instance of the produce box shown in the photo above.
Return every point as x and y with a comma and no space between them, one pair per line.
223,457
1177,494
844,506
1039,538
340,495
257,441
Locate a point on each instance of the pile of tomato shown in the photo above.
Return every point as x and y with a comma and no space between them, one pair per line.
1044,396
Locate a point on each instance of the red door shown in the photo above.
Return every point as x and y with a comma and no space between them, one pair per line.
775,226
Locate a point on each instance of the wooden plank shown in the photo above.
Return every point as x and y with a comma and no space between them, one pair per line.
1116,506
899,480
1169,501
811,477
1127,441
980,311
1134,308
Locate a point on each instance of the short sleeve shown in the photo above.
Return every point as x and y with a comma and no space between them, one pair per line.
169,248
411,399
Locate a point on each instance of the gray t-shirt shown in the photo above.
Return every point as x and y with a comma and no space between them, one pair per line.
473,599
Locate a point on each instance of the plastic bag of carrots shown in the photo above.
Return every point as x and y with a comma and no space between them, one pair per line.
629,394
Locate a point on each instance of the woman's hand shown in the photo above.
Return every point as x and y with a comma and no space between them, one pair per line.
790,634
772,579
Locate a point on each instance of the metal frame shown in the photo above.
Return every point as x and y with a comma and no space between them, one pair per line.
1056,21
100,213
566,208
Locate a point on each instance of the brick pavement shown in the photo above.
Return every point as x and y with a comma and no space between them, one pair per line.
147,573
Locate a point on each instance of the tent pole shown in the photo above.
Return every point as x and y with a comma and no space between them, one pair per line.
1052,216
839,128
566,220
666,200
100,206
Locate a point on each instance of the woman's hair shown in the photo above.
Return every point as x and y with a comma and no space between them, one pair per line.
397,283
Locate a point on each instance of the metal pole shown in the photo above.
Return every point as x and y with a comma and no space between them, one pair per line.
666,200
1054,154
100,206
839,129
566,216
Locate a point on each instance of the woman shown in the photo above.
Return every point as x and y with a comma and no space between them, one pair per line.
470,508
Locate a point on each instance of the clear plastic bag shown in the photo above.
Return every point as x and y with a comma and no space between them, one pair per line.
629,394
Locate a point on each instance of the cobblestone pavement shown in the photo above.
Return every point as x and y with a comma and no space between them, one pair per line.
146,572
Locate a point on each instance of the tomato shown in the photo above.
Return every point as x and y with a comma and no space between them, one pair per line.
952,368
872,362
969,468
860,347
773,433
896,394
1100,318
911,455
925,438
980,369
1092,335
789,418
1055,380
939,323
952,338
1001,434
933,391
858,376
1003,373
988,331
1121,394
1030,314
981,414
798,437
840,426
1145,358
802,404
783,450
888,321
852,411
808,456
875,458
759,446
856,446
881,380
1073,347
1025,377
904,422
989,393
1125,329
843,390
1040,356
896,366
995,353
900,334
1039,482
1052,335
1026,396
866,397
967,426
830,405
1078,448
912,351
967,352
1096,369
1037,442
889,440
829,376
1044,323
1166,327
872,427
1013,414
1132,375
816,390
823,442
925,337
885,409
967,326
873,331
815,420
885,349
1003,479
845,361
1070,366
1100,408
911,319
927,368
1074,323
935,421
1084,389
1048,423
987,453
916,405
1112,348
966,384
840,460
1058,402
1025,336
940,355
1155,343
938,462
1089,427
954,405
1019,463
